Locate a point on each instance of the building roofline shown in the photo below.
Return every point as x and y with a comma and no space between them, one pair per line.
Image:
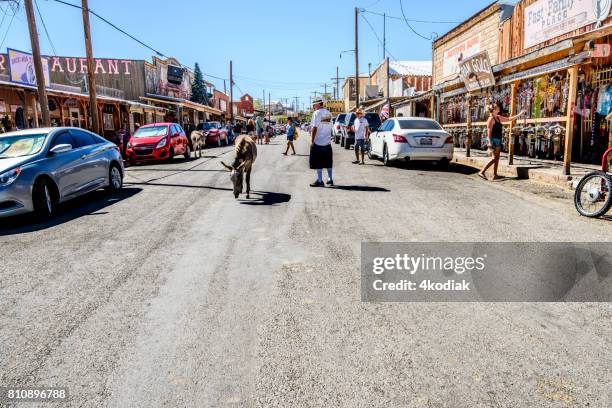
481,14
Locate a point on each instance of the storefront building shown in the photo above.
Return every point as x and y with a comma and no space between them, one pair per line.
551,59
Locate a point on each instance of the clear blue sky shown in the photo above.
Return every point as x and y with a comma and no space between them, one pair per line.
287,48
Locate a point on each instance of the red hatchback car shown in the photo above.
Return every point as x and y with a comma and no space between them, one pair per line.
158,141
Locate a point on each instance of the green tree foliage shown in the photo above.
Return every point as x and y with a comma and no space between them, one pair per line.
198,90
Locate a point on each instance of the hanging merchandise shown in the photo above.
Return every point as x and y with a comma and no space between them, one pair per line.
604,100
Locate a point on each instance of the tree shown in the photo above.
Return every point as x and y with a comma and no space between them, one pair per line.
198,90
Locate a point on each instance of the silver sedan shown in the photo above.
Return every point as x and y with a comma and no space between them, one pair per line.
40,168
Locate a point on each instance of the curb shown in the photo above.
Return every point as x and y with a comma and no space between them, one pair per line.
537,173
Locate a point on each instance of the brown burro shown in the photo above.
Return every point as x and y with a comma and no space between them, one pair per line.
246,153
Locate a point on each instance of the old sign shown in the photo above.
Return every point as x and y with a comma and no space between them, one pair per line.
462,50
335,106
476,71
21,65
547,19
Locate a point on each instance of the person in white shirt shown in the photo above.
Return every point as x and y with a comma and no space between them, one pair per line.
321,155
362,133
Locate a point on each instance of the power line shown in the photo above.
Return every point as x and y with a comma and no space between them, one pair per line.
410,20
276,82
4,12
9,26
378,38
42,20
149,47
409,26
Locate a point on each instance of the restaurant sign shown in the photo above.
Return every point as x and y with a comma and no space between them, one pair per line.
476,72
461,51
547,19
21,66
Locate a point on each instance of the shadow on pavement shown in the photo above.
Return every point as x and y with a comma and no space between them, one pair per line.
131,169
87,205
267,198
367,189
178,185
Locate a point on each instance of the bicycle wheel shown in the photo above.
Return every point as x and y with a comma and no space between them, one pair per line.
592,197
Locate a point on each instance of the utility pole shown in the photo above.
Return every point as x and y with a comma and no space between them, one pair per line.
369,69
337,79
269,108
384,35
388,85
91,80
356,58
40,76
231,92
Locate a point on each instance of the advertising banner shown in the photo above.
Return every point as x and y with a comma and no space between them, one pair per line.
547,19
476,72
463,50
21,66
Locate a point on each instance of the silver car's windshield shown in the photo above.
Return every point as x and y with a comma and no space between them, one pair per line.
21,145
151,131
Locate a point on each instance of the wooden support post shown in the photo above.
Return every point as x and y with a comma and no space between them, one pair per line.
91,80
512,123
34,111
468,134
569,124
38,67
61,109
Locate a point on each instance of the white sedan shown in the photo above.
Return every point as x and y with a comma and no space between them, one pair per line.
405,138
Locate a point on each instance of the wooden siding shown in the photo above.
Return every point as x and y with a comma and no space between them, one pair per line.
511,38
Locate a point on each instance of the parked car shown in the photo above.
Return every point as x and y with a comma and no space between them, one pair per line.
406,138
347,136
214,132
158,141
40,168
337,127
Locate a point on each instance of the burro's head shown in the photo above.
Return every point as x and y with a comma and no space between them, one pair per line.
236,175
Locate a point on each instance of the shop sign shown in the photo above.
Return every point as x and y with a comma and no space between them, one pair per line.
461,51
21,66
546,19
335,106
601,51
476,72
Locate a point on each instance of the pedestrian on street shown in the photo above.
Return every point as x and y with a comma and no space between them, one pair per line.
250,128
321,154
259,124
290,136
362,134
496,129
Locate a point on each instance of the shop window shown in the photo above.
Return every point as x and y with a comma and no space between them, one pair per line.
109,121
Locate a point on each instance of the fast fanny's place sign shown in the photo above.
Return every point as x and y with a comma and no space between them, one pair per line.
547,19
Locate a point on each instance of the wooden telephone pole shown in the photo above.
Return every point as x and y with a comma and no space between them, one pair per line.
231,104
38,68
337,79
91,79
356,58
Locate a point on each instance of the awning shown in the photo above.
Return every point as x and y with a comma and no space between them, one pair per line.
377,105
537,71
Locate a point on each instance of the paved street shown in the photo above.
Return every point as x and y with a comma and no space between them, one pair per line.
175,294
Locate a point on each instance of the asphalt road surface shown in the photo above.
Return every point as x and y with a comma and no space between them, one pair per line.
175,294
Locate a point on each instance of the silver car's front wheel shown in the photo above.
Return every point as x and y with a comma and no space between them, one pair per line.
115,178
44,199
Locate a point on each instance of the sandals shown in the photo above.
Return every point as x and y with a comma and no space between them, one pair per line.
482,176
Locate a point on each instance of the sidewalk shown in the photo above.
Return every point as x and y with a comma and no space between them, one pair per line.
546,171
